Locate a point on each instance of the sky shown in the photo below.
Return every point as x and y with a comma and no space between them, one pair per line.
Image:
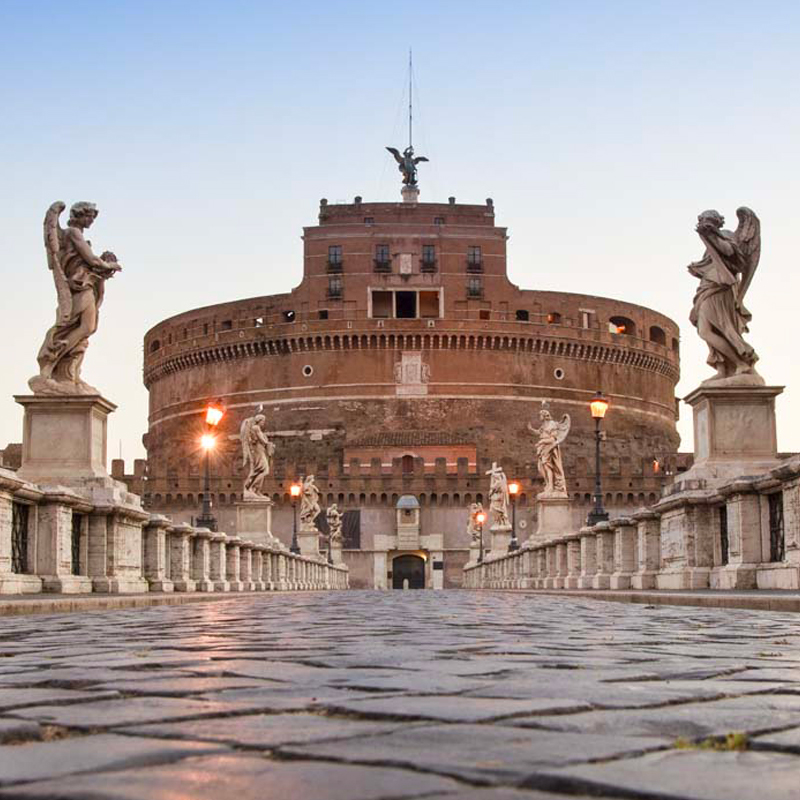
207,132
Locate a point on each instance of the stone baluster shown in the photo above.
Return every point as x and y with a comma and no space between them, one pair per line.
624,533
218,563
648,550
588,558
604,539
180,557
246,566
259,559
233,561
201,560
573,563
560,565
156,554
745,552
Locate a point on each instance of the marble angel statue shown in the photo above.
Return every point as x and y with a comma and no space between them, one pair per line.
79,277
548,452
309,504
718,312
473,525
334,517
257,450
498,497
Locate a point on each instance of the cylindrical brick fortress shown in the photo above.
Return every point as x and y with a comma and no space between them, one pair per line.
406,362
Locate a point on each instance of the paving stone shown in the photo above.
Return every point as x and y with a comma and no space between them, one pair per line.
783,740
684,774
451,708
264,731
184,685
480,753
506,794
43,760
20,697
243,778
18,729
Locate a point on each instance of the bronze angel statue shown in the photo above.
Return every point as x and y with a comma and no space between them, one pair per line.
407,164
725,272
548,452
257,450
79,277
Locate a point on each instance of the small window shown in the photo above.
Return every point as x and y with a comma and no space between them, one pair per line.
323,313
155,345
554,318
522,315
381,305
185,333
335,254
289,316
226,325
428,254
485,313
406,305
382,256
474,256
429,305
258,322
334,286
369,220
205,329
676,346
408,464
586,319
622,326
438,220
658,336
475,287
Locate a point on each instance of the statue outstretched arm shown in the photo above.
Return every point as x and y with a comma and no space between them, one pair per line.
82,248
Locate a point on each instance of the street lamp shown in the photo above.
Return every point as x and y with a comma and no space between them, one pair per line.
480,518
208,441
513,490
598,406
294,491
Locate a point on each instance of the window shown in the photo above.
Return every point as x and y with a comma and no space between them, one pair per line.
406,305
622,326
522,315
408,464
335,255
323,313
474,287
205,329
383,261
428,255
381,305
429,305
723,535
19,538
658,336
474,262
438,220
334,286
777,543
258,322
155,345
554,318
369,220
289,316
586,319
226,324
485,313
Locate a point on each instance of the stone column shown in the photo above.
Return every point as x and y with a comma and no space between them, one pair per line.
17,582
181,557
218,563
588,558
156,554
258,558
233,559
624,533
541,566
648,551
604,540
561,565
308,539
54,543
201,560
282,583
246,566
115,549
573,563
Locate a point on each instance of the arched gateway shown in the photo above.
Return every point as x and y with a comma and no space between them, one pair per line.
411,568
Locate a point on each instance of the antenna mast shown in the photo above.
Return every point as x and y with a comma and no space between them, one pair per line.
410,67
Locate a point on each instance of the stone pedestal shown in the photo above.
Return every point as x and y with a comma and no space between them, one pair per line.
687,545
308,540
201,560
410,194
217,571
625,559
254,520
474,553
734,435
648,550
156,554
181,558
336,553
501,538
555,518
233,563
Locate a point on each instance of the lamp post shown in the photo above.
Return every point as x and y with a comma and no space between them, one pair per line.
294,491
513,491
208,441
598,406
480,518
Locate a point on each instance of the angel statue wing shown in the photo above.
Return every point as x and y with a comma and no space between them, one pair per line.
396,153
748,237
417,159
244,435
52,245
563,428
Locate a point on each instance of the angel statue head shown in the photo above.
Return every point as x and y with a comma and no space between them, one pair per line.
82,214
710,219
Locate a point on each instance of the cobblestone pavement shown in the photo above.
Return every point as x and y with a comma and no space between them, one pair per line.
370,696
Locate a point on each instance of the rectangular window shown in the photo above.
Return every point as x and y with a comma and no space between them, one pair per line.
586,319
723,534
383,261
474,287
226,324
474,256
406,305
428,254
438,220
381,305
429,305
335,254
323,313
19,538
75,548
334,286
369,220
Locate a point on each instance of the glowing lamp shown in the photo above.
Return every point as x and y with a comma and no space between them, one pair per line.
207,441
294,490
599,406
480,517
513,488
213,415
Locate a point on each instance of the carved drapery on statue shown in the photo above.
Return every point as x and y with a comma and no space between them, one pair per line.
498,497
309,504
473,526
719,314
79,277
551,435
257,450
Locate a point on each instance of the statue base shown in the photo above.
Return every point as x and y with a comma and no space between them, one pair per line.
410,194
308,540
734,434
555,517
336,553
64,438
254,520
501,538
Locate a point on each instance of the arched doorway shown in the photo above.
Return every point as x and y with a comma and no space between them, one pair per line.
411,568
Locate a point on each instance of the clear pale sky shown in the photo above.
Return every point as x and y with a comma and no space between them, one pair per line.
206,132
